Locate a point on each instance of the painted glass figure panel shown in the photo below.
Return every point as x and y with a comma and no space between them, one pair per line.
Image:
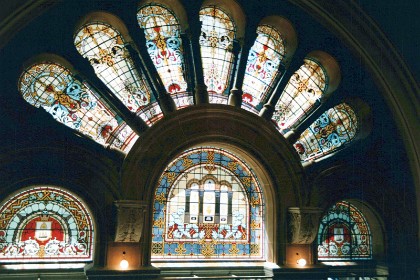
45,224
331,131
216,41
164,46
105,49
344,234
208,205
263,66
304,89
69,101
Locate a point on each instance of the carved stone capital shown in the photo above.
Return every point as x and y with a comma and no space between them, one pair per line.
130,220
303,223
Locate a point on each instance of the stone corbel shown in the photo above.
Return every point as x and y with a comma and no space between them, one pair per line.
303,223
130,220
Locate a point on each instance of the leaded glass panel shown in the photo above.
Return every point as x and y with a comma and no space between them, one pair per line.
164,46
336,127
45,224
208,205
344,234
306,86
216,41
105,49
262,69
69,101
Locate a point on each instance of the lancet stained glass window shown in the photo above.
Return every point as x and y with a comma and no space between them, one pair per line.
45,224
344,234
216,41
264,61
333,129
105,49
70,102
164,46
306,86
208,205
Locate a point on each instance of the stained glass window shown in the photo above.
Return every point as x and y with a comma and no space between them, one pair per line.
164,46
70,102
208,205
45,224
306,86
262,69
332,130
216,41
105,49
344,234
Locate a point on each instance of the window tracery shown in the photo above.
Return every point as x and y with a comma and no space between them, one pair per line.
263,65
344,234
208,205
106,51
306,86
216,41
335,128
45,224
164,46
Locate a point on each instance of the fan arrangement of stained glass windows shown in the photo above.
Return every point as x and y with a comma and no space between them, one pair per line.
73,103
216,41
45,224
208,205
306,86
331,131
164,46
262,69
344,234
105,49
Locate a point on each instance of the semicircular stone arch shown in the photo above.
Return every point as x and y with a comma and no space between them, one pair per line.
275,164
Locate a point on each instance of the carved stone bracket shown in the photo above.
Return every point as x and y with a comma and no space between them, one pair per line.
303,223
130,220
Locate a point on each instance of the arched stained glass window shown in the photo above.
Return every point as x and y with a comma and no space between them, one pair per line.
164,45
344,234
70,102
333,129
105,49
216,41
208,205
306,86
45,224
264,61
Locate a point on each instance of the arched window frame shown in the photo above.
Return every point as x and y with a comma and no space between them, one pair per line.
46,224
218,31
263,70
311,85
70,101
165,48
100,40
333,130
210,247
344,234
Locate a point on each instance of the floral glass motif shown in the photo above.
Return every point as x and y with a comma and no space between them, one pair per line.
262,69
45,224
105,49
208,205
70,102
306,86
332,130
216,41
344,234
164,46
